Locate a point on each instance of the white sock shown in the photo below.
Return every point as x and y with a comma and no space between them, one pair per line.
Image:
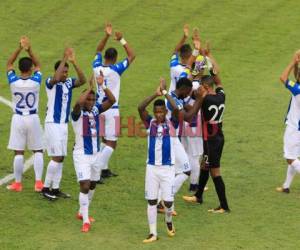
195,169
91,194
105,156
296,165
152,218
179,180
291,172
168,214
38,165
18,167
57,176
84,207
51,170
159,195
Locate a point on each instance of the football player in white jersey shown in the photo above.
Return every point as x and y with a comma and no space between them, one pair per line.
86,152
179,59
291,137
160,171
25,125
59,91
112,74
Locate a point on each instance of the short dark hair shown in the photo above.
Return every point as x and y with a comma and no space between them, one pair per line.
159,102
185,51
184,82
25,64
56,65
111,54
91,91
208,80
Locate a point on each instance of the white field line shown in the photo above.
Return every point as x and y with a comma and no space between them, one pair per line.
28,163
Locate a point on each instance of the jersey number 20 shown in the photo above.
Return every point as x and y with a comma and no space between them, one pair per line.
28,99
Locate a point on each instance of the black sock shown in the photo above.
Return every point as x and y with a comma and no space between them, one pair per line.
220,189
204,175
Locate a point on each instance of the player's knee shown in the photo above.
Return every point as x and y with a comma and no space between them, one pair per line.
168,204
215,172
93,185
289,161
58,159
37,151
152,202
112,144
85,186
188,173
19,152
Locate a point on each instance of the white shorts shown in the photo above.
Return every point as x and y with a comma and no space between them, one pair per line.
181,159
193,145
87,167
291,143
112,124
159,178
56,136
25,130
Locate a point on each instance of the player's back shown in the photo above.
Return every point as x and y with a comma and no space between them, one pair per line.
176,70
25,93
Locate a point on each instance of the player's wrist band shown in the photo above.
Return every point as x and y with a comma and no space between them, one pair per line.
195,52
123,41
164,92
104,87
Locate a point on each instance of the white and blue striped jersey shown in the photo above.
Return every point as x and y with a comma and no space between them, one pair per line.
86,127
176,69
293,113
59,100
112,77
25,92
160,142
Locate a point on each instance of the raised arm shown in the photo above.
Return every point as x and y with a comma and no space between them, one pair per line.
12,58
296,71
197,47
207,52
110,97
177,112
25,43
108,32
285,74
199,93
183,38
129,51
81,77
144,104
80,103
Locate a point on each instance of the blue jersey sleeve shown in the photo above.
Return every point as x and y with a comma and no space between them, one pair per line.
37,77
293,87
97,60
121,66
174,60
99,107
48,85
11,76
147,121
179,104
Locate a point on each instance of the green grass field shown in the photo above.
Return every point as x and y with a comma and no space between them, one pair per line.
252,41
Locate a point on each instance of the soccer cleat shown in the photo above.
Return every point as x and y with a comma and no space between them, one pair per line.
170,229
218,210
58,193
192,199
15,186
86,227
150,238
79,217
106,173
48,194
283,190
38,186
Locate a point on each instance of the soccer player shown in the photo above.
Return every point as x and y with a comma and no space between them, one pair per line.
59,91
160,171
112,74
212,113
179,58
25,124
291,137
86,151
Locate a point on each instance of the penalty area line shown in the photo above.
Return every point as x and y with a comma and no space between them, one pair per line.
28,163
